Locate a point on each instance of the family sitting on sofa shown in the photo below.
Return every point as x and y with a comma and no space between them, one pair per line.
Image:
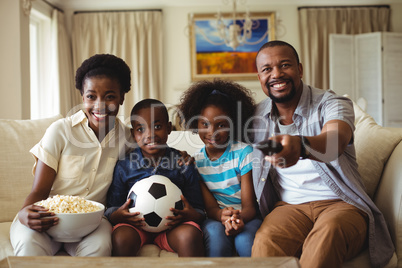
311,201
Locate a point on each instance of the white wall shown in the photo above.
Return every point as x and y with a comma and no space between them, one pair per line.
14,72
177,76
14,55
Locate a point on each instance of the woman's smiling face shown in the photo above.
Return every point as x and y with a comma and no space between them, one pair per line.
101,97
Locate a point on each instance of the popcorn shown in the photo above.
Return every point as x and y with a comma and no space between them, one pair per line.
68,204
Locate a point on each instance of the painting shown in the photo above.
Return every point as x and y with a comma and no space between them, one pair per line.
212,58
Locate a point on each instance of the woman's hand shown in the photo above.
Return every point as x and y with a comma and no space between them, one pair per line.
123,215
37,218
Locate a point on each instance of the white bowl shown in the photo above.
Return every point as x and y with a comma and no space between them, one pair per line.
72,227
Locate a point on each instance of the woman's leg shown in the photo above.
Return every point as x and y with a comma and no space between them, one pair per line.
27,242
244,240
186,240
96,244
217,243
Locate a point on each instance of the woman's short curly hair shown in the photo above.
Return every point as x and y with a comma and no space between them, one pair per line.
104,65
233,98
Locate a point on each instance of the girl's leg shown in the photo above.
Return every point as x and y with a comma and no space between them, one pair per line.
186,240
244,241
126,241
217,243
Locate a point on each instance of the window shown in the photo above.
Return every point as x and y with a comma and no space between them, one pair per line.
44,96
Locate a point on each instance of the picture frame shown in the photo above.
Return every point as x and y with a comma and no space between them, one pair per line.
212,58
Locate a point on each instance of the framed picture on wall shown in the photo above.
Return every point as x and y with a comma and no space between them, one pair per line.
212,57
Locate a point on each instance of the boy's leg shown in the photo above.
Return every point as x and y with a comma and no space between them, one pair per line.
27,242
127,240
339,234
217,243
283,231
96,244
186,240
244,240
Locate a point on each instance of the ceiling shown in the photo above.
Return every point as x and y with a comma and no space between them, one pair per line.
134,4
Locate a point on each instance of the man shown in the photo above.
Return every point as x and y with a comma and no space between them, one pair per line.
318,208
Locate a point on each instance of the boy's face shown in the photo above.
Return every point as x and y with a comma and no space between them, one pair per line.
150,131
101,98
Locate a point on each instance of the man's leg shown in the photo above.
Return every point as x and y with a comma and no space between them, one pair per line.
339,234
283,231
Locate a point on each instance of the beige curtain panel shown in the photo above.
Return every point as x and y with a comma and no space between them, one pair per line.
134,36
317,23
64,78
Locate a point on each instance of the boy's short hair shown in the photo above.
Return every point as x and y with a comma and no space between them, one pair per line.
149,103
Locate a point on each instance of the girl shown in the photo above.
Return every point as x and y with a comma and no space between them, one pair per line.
219,114
76,156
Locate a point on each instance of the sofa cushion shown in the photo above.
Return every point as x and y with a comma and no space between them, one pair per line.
374,144
17,137
5,245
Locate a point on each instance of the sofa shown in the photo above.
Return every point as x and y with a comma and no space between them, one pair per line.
379,155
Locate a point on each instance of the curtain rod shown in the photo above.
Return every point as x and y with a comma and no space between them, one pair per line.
133,10
53,6
378,6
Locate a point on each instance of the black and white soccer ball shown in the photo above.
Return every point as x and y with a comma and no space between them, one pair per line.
153,197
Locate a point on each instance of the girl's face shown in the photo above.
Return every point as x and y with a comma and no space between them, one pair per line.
214,128
101,97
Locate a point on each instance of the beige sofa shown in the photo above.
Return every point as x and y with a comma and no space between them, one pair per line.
379,154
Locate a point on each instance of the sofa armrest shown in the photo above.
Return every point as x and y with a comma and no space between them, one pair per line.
388,198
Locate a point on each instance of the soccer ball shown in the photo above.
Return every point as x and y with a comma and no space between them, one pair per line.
153,197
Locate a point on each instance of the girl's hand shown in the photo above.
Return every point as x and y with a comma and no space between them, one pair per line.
227,213
188,213
234,225
37,218
123,215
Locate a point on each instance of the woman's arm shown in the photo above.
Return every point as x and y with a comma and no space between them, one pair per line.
32,215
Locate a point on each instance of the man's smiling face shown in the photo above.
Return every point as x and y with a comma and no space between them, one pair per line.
279,73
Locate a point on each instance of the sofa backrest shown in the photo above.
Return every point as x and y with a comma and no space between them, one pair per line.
185,141
17,137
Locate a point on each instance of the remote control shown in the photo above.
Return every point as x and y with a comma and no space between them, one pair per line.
268,147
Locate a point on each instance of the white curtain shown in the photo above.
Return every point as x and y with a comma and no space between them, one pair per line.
134,36
315,25
63,77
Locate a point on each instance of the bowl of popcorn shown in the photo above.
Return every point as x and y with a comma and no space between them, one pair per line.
78,217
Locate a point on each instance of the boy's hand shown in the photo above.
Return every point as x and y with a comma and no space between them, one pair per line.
123,215
37,218
234,225
188,213
185,159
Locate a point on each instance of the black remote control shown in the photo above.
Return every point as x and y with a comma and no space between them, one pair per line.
268,147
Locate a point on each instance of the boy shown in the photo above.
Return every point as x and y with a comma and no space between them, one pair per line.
150,129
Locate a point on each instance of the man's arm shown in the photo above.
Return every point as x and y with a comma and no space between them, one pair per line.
325,147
